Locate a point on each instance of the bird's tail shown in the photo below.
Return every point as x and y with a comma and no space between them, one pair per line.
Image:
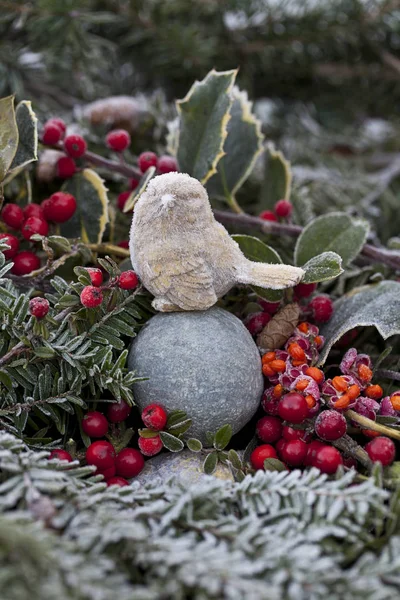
265,275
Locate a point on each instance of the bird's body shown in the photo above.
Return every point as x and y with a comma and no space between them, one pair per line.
183,256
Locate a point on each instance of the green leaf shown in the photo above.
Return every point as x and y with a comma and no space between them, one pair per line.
277,179
234,459
254,249
8,135
171,443
134,197
375,305
181,427
91,216
203,120
242,147
323,267
6,380
175,416
45,352
222,437
194,445
273,464
28,137
147,433
335,231
210,464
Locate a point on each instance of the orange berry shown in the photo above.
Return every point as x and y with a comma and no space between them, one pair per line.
278,391
268,357
374,391
298,363
353,392
364,373
343,402
268,371
318,340
371,433
297,352
395,400
316,374
303,327
277,365
301,385
311,402
339,383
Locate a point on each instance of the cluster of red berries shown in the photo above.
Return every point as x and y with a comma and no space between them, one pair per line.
33,219
154,418
74,146
92,295
282,210
298,394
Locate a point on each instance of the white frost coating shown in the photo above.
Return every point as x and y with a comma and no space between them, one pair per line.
183,256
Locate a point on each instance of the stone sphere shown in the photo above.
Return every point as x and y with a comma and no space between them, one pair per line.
203,362
185,466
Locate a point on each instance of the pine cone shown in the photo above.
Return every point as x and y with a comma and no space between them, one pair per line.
115,111
276,333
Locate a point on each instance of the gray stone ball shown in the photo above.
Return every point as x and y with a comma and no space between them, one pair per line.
203,362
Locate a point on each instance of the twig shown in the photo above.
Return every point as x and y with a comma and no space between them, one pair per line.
369,424
388,374
349,446
109,249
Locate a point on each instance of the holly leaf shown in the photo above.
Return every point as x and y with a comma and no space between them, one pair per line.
8,135
91,215
277,179
243,145
28,137
193,444
203,119
323,267
134,197
222,437
375,305
337,232
254,249
210,464
171,443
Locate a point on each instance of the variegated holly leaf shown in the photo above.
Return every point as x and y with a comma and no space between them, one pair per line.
136,193
203,120
375,305
28,137
8,135
91,215
242,147
277,179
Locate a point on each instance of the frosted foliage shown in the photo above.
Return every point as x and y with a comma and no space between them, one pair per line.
272,536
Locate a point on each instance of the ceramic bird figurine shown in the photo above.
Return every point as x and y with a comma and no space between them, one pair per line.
183,256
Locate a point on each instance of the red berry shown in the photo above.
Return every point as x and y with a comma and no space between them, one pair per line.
350,462
328,460
33,210
45,209
293,408
280,444
269,307
91,296
101,454
94,424
60,207
25,262
304,290
13,216
118,140
96,276
150,446
167,164
121,200
269,429
312,450
147,160
11,241
61,455
256,322
60,124
134,183
154,417
268,215
75,146
39,307
66,167
107,473
34,225
260,454
128,280
330,425
289,434
381,449
283,208
294,452
117,481
129,462
52,134
322,308
123,244
118,411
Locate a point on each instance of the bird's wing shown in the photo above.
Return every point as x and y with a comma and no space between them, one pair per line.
186,282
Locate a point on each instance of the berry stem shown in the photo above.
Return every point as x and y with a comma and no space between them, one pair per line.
109,249
368,424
